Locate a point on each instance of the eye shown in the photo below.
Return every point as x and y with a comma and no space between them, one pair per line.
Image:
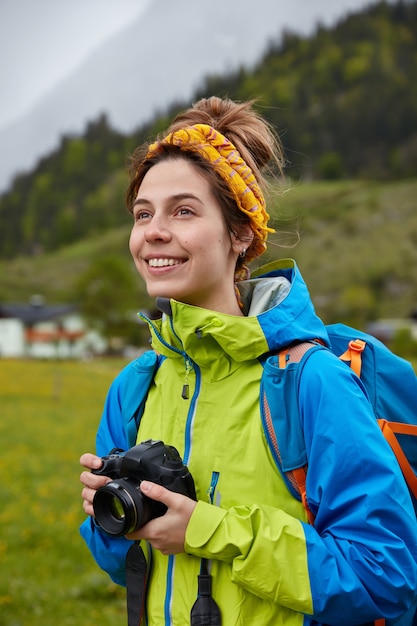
185,210
141,214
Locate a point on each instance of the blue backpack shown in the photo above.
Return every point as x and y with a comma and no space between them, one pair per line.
391,385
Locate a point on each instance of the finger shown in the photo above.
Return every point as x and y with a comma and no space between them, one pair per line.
91,461
92,480
88,494
88,508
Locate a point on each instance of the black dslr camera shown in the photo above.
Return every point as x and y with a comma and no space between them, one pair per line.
120,507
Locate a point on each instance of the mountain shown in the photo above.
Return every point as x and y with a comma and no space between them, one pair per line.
343,101
161,57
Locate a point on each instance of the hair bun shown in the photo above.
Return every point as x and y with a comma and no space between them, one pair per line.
253,137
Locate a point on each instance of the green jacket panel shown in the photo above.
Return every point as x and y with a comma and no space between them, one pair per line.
232,466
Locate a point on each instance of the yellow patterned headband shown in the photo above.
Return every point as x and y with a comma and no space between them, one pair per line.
216,148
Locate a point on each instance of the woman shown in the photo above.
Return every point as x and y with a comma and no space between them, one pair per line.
198,205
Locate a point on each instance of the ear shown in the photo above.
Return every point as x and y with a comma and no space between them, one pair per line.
242,238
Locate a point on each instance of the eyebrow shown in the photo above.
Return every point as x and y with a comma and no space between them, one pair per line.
178,196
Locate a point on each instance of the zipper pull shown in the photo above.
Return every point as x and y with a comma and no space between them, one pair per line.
210,491
186,387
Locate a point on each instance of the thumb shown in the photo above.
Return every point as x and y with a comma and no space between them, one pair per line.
156,492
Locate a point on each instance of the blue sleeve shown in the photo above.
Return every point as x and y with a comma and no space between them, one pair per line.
363,546
117,429
110,552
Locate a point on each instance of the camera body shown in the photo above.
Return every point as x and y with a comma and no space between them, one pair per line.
119,506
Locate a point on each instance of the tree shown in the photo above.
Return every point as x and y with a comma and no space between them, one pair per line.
107,292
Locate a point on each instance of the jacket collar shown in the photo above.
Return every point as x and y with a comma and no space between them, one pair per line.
279,312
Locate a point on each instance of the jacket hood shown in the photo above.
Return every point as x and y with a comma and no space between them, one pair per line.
289,315
278,311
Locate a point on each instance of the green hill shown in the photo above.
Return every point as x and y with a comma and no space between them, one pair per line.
357,251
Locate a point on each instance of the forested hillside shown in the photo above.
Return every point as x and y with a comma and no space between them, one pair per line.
357,251
343,100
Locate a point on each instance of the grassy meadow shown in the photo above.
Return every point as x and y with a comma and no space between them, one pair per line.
49,415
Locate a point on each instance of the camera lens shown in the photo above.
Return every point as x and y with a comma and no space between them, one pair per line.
116,509
120,507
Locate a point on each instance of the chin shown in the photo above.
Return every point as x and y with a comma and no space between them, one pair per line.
159,292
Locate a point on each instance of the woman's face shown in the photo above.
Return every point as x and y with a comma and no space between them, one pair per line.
179,240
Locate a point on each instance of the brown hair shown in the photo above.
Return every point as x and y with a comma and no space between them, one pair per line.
254,138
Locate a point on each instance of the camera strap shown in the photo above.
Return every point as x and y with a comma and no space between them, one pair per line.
205,611
136,580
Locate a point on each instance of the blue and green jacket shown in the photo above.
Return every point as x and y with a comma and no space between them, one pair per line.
269,566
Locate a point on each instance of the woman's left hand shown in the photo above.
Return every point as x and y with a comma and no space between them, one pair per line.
166,533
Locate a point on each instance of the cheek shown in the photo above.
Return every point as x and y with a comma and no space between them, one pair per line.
134,248
131,246
218,254
134,242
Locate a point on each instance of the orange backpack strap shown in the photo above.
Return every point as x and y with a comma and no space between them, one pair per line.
354,354
294,353
300,476
389,430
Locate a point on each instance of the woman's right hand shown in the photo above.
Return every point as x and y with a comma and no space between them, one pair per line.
91,481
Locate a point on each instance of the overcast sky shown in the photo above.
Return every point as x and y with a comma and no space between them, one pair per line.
43,40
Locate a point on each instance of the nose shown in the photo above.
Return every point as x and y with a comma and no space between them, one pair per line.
157,230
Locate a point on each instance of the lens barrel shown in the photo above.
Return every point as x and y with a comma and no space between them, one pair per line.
120,507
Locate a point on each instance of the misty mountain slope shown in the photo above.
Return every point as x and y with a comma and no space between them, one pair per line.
160,57
163,56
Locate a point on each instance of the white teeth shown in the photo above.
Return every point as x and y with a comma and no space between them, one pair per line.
163,262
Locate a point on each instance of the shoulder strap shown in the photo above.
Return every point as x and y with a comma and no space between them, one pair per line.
281,416
135,391
354,355
390,430
294,354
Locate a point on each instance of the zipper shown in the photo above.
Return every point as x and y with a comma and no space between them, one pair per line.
189,363
168,595
186,387
189,366
191,413
157,333
186,457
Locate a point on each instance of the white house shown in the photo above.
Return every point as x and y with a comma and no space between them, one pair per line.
39,330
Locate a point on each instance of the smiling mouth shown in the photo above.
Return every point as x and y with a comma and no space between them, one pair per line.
163,262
